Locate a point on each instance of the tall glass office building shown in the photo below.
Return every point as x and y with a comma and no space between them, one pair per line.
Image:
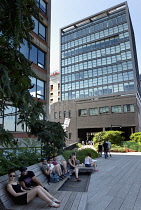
98,56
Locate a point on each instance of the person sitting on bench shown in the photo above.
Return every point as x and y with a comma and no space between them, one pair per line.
62,163
72,167
21,196
54,166
28,179
45,169
90,162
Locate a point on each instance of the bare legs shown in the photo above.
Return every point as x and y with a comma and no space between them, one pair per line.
93,164
64,164
42,193
58,169
76,172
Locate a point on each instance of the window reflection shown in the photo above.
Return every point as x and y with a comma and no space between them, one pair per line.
38,90
34,54
9,120
39,28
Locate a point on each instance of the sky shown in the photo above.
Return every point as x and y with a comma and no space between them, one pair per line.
65,12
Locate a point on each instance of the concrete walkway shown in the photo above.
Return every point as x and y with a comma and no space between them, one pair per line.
117,184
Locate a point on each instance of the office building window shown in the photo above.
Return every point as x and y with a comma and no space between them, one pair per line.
69,114
55,115
9,119
128,108
38,90
39,29
93,111
33,54
64,114
116,109
58,86
51,88
60,114
70,134
42,5
104,110
82,112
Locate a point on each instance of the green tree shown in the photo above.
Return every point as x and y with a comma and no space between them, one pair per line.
113,136
137,138
15,70
50,134
99,137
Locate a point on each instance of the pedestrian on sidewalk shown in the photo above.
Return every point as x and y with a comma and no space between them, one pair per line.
109,148
100,149
105,146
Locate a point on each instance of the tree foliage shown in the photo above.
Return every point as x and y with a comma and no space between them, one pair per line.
16,21
113,136
16,24
80,154
136,137
50,134
15,70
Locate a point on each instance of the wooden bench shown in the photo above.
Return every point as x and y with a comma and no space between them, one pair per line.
69,200
83,169
6,201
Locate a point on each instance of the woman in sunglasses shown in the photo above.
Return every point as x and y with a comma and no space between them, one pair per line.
21,196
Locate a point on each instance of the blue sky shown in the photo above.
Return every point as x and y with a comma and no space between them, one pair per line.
65,12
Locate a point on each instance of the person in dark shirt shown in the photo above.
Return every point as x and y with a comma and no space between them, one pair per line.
100,149
28,179
22,197
105,146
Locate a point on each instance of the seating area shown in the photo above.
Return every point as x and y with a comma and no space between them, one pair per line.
73,200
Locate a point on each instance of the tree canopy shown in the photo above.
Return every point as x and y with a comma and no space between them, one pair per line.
113,136
16,23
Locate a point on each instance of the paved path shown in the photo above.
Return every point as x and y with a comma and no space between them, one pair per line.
117,184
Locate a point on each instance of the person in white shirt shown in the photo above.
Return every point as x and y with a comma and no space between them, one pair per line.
90,162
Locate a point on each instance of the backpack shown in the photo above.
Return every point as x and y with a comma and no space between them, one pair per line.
54,177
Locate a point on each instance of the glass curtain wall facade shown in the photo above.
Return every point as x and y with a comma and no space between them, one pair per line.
98,57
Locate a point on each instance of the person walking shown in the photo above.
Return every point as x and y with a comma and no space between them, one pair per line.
105,146
109,147
100,149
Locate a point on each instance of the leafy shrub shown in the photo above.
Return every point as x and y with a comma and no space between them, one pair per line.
16,158
80,154
79,145
115,148
136,137
113,136
131,145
